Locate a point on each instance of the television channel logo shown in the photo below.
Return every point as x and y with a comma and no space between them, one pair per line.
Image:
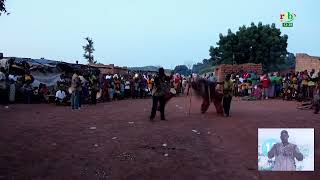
287,19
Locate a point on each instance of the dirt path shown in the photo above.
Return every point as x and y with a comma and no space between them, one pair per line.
117,141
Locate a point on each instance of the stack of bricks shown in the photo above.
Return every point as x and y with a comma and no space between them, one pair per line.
306,62
222,70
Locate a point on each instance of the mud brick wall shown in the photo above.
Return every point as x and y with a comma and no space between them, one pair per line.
222,70
306,62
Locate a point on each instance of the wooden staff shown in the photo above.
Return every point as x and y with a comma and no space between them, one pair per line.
209,93
189,91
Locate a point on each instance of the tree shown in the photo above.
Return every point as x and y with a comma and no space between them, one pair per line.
88,50
182,69
255,44
289,63
189,64
3,7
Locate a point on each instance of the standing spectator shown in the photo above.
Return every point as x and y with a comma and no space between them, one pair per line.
305,78
316,97
278,82
117,87
312,83
94,88
272,85
28,89
62,83
227,94
12,89
184,85
127,88
75,86
143,87
3,87
111,89
85,94
28,93
150,84
122,89
265,85
136,87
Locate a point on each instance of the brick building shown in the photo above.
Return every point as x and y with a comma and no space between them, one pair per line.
222,70
110,69
306,62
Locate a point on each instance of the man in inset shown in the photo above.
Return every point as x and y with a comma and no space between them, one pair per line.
284,154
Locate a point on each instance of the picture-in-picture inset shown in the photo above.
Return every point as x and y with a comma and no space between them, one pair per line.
286,149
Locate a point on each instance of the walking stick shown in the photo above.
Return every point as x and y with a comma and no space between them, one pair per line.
209,93
189,98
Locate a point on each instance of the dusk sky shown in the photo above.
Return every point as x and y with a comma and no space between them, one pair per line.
145,32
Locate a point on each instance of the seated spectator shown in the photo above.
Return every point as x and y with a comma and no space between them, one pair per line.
35,95
257,93
44,92
60,97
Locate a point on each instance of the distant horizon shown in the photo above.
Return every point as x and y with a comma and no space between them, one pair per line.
122,66
137,33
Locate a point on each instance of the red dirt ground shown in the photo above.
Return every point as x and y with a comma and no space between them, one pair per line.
48,142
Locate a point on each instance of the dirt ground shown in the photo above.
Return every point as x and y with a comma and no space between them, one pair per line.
117,141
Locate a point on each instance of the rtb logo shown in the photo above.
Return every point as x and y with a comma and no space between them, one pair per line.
287,19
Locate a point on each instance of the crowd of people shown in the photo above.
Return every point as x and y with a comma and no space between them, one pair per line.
78,89
300,86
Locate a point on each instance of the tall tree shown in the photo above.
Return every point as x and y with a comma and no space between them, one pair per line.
182,69
254,44
88,51
3,7
189,64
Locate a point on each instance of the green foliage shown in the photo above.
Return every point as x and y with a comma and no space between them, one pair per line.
182,69
88,51
3,7
254,44
289,63
205,66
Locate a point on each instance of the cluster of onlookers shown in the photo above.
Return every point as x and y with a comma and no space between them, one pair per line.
13,87
111,87
300,86
137,85
78,89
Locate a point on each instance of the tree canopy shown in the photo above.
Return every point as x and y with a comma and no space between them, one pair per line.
88,51
2,7
182,69
207,65
254,44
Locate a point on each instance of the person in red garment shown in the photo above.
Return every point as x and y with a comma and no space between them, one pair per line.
265,85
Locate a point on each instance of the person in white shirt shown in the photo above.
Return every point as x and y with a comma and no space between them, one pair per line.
127,89
60,97
212,78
